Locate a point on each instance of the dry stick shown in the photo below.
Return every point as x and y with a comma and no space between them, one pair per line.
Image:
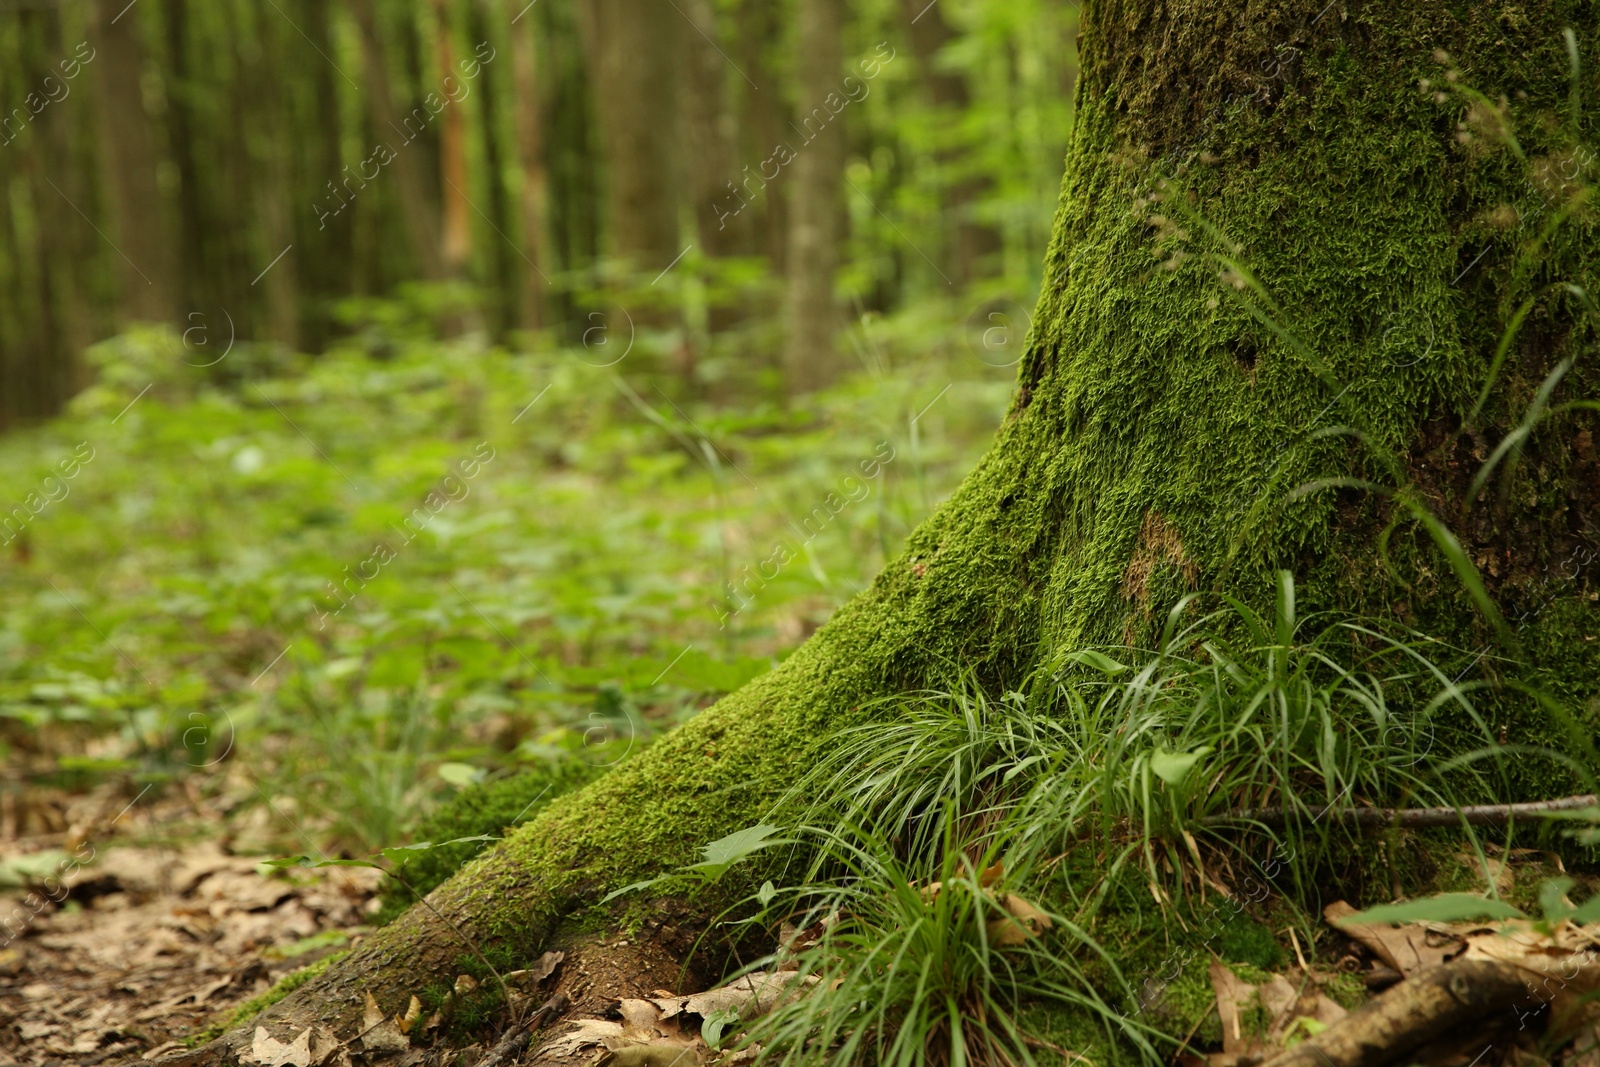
1435,1003
1475,815
516,1039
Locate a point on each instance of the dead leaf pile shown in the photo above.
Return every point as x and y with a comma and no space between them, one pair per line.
670,1031
1294,1008
154,943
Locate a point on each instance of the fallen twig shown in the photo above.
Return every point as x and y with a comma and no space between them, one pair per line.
1473,815
516,1039
1388,1028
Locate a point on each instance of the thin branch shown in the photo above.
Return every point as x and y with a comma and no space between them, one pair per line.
1474,815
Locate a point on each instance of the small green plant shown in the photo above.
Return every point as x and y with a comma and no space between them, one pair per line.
931,961
1237,726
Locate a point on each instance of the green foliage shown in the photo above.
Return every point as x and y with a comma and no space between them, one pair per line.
572,602
929,960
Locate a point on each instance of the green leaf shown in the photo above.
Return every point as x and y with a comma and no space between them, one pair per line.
724,852
1098,660
1551,892
1587,912
615,893
1174,767
398,854
1444,908
459,775
711,1029
766,892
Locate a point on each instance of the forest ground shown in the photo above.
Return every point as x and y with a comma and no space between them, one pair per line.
183,695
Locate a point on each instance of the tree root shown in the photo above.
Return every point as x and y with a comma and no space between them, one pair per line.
1464,994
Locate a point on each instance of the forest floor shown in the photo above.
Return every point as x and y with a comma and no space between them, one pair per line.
160,935
191,682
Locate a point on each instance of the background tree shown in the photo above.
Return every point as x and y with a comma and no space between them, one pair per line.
815,216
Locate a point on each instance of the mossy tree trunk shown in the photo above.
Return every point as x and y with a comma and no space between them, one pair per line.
1159,425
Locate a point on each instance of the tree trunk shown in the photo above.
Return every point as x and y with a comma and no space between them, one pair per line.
1158,427
810,318
405,136
145,261
709,135
761,121
457,240
973,244
633,47
527,115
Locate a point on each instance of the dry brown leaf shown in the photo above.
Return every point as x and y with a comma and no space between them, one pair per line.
267,1051
649,1056
378,1032
1233,994
546,966
413,1013
1025,921
1407,947
586,1034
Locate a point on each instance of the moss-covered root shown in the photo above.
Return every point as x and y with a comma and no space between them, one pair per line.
1160,425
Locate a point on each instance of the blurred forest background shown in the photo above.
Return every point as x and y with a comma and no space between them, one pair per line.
400,395
256,169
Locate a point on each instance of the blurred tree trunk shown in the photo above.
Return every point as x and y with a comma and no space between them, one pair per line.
532,189
633,49
815,231
976,245
453,181
418,206
198,278
264,96
145,261
328,261
762,126
39,343
504,292
709,129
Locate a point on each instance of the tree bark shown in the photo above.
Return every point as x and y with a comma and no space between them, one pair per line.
811,317
1159,429
145,260
633,48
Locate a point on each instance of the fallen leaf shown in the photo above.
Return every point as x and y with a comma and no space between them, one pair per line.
1408,947
546,966
380,1033
649,1056
587,1033
1025,921
413,1013
270,1052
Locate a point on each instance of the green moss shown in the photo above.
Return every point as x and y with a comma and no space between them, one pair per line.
247,1011
488,808
1245,941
